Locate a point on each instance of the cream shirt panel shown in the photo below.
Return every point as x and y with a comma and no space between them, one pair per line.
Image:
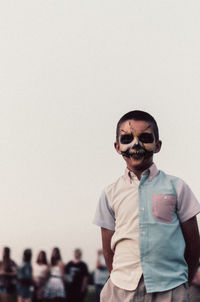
123,200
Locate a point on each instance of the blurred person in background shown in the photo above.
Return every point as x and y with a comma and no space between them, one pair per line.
8,273
101,274
195,287
25,282
55,289
40,275
76,272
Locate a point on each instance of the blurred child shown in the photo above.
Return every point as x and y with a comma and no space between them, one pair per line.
40,275
101,274
8,273
25,281
55,289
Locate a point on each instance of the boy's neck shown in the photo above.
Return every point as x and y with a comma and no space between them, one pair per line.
138,172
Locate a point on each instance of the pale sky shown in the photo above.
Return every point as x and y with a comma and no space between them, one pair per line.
69,71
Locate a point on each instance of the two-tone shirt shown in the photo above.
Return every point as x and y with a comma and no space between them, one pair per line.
145,216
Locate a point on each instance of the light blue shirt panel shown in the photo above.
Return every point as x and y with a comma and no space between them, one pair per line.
104,216
161,244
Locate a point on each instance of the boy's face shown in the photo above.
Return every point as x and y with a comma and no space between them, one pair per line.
137,144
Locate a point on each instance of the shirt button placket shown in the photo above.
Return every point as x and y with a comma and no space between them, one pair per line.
143,232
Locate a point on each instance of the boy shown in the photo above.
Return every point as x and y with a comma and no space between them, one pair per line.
148,222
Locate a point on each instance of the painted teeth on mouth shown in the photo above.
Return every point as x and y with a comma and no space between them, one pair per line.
138,152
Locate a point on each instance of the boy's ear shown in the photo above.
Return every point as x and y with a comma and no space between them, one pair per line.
158,146
116,145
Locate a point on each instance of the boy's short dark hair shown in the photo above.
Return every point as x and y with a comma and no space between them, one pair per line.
138,115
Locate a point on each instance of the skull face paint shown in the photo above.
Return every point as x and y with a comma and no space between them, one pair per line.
136,140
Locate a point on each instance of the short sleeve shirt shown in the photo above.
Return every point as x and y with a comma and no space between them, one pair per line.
145,216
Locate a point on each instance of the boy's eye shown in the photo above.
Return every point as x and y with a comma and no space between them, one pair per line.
146,138
126,138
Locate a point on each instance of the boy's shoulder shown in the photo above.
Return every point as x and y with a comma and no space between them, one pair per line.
168,176
171,178
178,184
115,186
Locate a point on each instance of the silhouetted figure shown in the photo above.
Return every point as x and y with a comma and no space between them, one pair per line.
55,289
40,276
76,273
8,274
25,281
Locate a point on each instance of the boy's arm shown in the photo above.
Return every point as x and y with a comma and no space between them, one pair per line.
192,249
106,243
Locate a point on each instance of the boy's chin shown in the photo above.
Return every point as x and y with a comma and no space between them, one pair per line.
136,161
139,163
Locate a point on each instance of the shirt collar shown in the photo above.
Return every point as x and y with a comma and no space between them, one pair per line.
152,171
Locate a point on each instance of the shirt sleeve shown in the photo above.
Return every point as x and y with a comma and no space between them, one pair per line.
187,204
85,269
104,216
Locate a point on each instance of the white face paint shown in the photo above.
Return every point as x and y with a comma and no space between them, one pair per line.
136,139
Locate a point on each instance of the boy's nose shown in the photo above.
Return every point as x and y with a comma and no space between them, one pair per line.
135,142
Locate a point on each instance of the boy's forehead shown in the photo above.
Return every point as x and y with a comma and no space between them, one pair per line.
134,127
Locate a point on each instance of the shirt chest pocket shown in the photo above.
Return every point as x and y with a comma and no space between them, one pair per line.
163,207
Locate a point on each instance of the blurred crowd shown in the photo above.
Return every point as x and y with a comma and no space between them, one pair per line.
49,281
54,281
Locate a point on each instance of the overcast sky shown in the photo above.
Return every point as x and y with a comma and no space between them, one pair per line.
69,71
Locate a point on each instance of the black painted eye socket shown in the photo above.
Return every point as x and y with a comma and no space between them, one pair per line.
126,138
146,138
